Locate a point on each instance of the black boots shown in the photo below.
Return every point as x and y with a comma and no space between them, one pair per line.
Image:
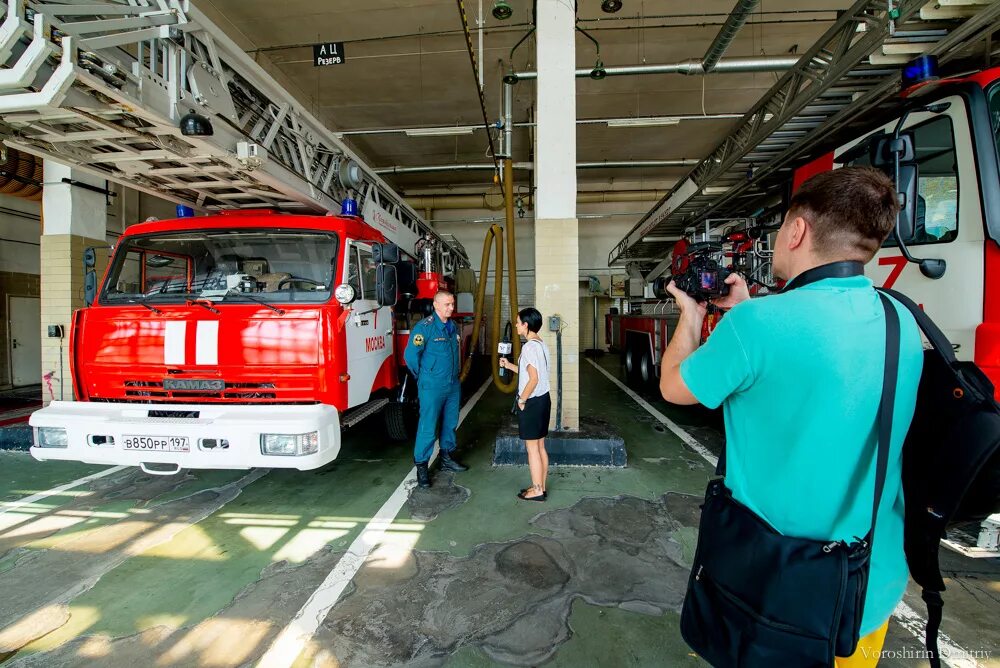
449,463
423,477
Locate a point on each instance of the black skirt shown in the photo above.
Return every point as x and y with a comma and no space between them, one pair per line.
533,419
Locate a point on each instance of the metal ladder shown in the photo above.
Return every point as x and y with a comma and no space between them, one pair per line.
847,73
103,85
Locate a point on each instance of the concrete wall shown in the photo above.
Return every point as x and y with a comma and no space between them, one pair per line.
21,256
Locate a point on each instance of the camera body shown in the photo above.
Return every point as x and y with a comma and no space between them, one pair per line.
695,270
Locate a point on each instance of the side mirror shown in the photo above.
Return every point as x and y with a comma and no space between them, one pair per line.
897,156
385,253
89,276
385,284
906,188
884,152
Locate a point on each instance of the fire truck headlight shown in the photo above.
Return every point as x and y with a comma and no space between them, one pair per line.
289,444
52,437
345,293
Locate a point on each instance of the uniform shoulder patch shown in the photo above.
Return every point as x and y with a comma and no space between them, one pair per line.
418,339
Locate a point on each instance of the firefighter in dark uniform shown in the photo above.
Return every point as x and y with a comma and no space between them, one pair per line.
433,357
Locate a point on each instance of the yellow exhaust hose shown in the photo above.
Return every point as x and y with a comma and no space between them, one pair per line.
495,236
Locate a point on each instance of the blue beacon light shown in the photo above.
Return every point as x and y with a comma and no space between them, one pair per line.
920,69
349,206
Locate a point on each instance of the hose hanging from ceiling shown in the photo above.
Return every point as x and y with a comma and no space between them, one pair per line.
494,236
21,175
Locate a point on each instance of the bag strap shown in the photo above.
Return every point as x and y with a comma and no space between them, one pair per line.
887,404
545,352
933,599
842,269
930,330
935,608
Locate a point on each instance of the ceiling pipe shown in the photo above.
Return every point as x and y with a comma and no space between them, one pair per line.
494,202
461,167
528,166
689,67
741,12
453,130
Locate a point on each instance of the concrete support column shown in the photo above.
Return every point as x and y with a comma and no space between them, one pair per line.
556,233
73,218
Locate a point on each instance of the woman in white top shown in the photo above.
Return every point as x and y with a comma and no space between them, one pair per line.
533,402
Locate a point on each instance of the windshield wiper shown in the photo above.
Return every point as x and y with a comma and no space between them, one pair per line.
142,302
234,291
204,303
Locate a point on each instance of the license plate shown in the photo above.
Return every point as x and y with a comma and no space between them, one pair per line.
156,443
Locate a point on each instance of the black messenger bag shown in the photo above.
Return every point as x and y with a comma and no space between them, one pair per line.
757,598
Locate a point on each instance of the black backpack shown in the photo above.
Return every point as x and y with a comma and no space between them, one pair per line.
951,461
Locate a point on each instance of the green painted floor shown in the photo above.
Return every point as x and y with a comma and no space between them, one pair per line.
19,478
206,568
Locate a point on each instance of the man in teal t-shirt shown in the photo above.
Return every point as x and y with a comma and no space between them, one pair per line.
799,376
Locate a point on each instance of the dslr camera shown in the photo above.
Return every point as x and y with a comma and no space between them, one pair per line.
695,270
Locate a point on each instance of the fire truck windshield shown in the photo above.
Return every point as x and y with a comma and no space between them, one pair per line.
283,266
994,106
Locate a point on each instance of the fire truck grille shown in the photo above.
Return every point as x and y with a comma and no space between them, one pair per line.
149,390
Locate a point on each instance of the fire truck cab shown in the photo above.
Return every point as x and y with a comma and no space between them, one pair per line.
954,128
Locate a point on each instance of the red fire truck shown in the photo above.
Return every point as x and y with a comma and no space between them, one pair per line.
244,339
950,260
236,339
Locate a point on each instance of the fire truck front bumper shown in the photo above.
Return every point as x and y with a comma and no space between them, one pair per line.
163,439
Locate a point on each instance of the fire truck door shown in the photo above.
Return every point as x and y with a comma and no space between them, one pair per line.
368,328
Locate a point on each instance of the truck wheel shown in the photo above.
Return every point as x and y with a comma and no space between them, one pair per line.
400,420
647,372
633,366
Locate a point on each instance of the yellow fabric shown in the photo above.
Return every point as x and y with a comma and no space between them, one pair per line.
868,651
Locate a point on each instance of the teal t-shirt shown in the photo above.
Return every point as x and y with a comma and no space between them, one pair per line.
799,376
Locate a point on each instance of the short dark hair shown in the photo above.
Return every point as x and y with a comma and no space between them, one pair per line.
850,210
530,317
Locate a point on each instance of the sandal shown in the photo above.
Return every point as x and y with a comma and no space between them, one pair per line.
541,497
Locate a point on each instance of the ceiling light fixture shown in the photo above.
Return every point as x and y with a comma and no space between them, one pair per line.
598,72
501,10
715,190
611,6
439,132
643,122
